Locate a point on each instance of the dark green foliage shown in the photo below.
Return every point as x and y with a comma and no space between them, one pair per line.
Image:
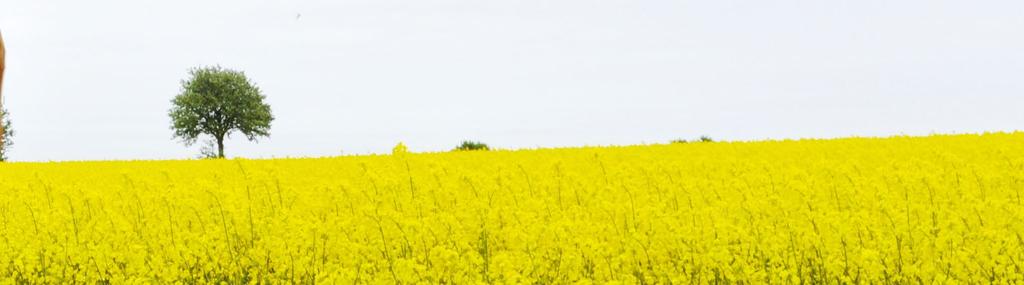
472,145
706,139
217,102
8,135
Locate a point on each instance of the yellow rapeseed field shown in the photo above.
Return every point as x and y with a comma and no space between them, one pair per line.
937,209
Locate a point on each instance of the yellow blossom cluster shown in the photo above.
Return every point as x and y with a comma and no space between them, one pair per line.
937,209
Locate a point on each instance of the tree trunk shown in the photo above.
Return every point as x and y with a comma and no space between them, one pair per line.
220,146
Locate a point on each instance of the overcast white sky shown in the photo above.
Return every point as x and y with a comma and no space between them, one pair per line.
93,79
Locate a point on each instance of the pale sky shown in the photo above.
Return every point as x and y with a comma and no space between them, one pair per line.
93,80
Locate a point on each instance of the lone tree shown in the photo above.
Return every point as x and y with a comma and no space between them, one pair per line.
217,102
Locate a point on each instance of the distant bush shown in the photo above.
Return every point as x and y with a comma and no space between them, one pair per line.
472,145
701,139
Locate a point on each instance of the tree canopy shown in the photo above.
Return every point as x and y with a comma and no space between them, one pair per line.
217,102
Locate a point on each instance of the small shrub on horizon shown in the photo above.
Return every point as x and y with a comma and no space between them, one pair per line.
701,139
472,145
